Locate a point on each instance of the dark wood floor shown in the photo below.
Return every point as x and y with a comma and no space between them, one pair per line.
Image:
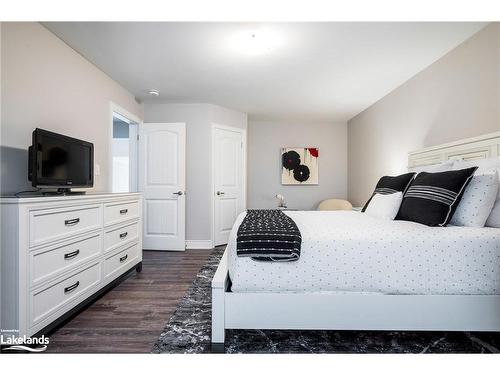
130,317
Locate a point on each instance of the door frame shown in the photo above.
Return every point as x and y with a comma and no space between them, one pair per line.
130,117
243,133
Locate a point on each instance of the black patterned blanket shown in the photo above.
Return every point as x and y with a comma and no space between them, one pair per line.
268,235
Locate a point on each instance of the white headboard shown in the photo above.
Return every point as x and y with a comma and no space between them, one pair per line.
484,146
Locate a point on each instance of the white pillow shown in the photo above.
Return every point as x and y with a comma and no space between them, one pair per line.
385,206
494,218
441,167
485,165
477,201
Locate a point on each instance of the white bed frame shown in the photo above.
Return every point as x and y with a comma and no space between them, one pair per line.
335,311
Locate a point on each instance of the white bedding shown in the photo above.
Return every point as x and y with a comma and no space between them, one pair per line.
347,251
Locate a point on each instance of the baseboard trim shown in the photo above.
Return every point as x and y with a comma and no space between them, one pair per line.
199,244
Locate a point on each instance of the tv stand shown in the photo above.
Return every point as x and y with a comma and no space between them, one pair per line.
59,251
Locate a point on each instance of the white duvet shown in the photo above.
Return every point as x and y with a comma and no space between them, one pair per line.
349,251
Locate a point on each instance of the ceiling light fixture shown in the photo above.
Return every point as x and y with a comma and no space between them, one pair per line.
153,92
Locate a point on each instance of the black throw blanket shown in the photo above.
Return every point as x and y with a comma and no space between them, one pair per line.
268,235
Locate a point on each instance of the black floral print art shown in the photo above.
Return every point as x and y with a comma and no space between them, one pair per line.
291,160
301,173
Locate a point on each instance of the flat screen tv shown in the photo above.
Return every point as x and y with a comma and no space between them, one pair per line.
59,161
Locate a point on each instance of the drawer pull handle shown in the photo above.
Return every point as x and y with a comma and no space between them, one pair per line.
123,212
123,258
123,235
71,222
70,288
71,255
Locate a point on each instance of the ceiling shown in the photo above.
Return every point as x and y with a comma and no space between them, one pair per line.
314,71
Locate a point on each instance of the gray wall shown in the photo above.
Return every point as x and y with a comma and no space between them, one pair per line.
265,140
198,119
454,98
47,84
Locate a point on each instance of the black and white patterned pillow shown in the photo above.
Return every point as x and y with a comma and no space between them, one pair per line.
432,198
391,185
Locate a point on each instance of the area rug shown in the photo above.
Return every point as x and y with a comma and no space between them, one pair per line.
189,329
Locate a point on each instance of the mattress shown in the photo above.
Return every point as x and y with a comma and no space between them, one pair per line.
352,252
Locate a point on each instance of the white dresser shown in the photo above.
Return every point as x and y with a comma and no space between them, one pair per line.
59,251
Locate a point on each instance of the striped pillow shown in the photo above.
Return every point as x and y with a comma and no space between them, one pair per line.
390,185
432,198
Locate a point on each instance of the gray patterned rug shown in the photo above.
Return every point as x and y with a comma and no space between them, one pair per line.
189,328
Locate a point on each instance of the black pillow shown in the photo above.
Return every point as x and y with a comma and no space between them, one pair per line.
432,198
391,185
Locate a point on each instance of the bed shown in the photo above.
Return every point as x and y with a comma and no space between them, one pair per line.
386,257
391,275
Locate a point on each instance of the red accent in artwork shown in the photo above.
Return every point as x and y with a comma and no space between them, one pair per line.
314,152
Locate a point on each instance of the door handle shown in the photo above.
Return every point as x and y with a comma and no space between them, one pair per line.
220,193
178,193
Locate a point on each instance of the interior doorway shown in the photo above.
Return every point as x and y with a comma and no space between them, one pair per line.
124,151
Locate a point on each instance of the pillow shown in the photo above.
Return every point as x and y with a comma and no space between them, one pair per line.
432,198
494,218
477,201
385,206
444,166
485,165
390,185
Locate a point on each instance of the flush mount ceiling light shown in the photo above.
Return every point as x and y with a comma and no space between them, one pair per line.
255,42
154,92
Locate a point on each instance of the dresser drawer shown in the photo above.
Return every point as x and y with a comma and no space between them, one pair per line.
117,212
116,237
120,261
54,261
49,300
52,225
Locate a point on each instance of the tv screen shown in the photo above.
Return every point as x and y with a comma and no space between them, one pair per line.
60,161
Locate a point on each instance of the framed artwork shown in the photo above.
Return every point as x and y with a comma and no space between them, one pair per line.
299,165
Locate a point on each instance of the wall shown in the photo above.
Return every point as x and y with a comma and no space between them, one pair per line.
265,140
47,84
456,97
198,119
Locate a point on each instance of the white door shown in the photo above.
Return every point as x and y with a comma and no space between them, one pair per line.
162,180
229,147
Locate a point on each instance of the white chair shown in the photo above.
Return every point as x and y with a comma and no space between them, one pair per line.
334,205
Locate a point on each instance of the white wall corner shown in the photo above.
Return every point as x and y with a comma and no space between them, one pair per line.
199,244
